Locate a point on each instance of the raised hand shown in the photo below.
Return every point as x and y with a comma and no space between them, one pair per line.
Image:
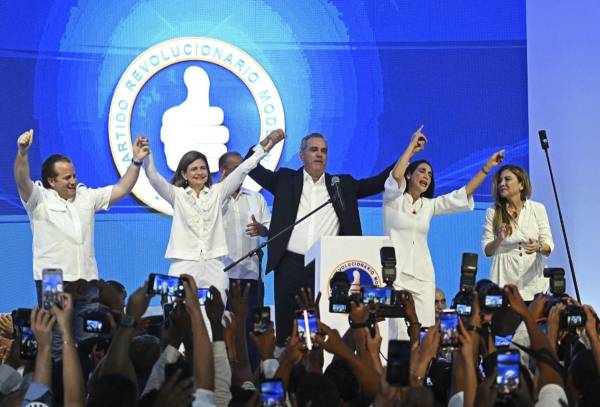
140,148
305,300
191,296
6,326
175,392
272,139
24,141
264,343
418,141
64,316
495,160
238,300
42,322
215,307
255,228
138,302
515,300
331,341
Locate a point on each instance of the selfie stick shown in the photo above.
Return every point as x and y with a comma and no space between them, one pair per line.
545,146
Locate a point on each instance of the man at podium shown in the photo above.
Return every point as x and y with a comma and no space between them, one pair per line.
296,193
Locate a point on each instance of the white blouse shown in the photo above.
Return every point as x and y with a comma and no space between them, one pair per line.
510,263
198,231
407,224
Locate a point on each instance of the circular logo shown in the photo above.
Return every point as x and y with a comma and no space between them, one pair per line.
358,273
183,49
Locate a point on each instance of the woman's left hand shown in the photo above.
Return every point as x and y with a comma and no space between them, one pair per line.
532,247
495,160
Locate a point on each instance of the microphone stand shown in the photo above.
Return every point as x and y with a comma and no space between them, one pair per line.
545,146
259,248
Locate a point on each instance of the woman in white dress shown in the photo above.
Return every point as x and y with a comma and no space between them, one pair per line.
408,206
198,241
517,234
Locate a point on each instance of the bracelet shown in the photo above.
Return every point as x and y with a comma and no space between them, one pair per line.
65,342
137,163
357,325
484,171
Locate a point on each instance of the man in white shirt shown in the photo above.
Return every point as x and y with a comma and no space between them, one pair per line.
246,218
62,212
296,193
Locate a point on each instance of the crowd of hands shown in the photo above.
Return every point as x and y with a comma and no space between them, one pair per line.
358,348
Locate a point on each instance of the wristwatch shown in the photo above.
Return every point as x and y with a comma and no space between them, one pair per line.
127,321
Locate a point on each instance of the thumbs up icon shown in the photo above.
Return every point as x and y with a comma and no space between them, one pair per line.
194,124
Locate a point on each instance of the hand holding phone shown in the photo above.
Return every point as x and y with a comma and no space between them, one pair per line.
261,319
272,392
449,329
398,367
52,287
204,295
307,326
507,362
165,285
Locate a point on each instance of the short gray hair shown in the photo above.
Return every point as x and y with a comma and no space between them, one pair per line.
311,135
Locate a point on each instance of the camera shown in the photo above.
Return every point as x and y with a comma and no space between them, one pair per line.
463,301
339,301
387,255
557,280
573,316
491,297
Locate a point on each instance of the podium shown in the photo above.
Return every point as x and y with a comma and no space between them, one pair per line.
358,257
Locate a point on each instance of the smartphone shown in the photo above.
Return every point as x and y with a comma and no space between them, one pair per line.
21,317
204,295
261,318
376,295
543,326
164,285
449,329
502,341
28,348
398,363
307,326
272,392
52,287
507,362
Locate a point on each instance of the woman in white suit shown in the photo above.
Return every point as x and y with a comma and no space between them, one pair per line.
409,205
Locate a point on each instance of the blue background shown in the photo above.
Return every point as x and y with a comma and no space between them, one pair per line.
365,74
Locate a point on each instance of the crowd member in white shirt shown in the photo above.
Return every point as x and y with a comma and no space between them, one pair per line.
408,206
62,212
246,218
517,234
198,241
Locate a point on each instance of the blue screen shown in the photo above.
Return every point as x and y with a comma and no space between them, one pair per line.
365,74
377,295
508,368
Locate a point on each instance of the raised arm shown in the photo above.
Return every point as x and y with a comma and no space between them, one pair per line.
478,178
21,167
162,186
233,181
41,325
127,181
74,388
417,143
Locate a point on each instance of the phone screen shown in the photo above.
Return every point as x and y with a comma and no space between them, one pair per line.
502,341
464,310
377,295
170,286
204,295
449,328
507,380
307,326
93,326
52,287
398,363
493,301
261,318
28,343
272,392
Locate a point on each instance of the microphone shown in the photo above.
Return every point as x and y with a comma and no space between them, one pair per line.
337,192
543,139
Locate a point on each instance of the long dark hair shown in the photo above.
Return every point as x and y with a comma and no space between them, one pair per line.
409,171
184,163
501,214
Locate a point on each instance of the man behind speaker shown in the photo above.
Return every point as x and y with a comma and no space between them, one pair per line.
296,193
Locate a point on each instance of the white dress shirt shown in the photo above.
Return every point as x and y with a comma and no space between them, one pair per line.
322,223
197,231
510,263
237,213
63,230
